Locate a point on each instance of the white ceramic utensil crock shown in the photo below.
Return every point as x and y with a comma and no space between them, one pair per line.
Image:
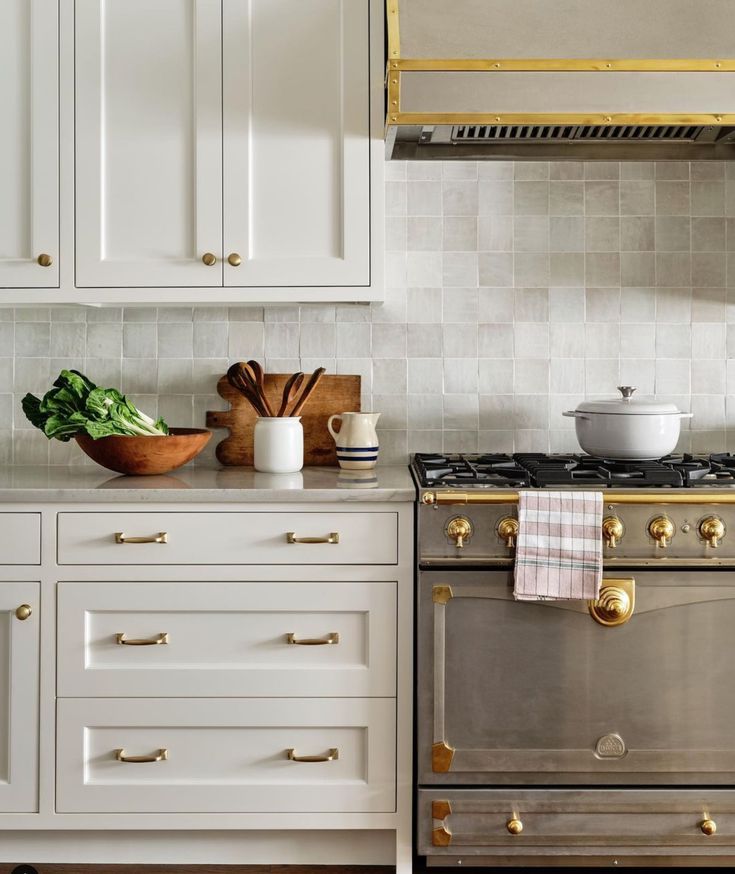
278,444
625,429
357,440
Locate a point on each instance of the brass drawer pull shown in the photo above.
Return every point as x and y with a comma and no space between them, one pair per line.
161,537
158,640
159,756
330,538
331,756
332,637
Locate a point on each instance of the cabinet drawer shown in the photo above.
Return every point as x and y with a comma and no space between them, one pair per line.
223,755
228,538
222,639
20,538
479,822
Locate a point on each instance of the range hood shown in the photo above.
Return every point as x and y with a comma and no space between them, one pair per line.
584,79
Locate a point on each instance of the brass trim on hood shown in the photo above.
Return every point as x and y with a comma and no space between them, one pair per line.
558,118
558,65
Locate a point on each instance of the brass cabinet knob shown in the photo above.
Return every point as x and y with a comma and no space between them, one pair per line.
612,531
23,612
209,259
662,530
45,260
712,529
508,531
708,826
459,530
234,260
514,826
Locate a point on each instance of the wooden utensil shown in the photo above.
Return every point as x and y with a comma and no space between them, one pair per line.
289,391
310,386
259,376
240,380
332,395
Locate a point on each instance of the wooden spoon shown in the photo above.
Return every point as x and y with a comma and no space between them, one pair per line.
259,378
293,384
310,386
240,381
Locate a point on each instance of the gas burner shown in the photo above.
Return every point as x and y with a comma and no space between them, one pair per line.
473,471
572,470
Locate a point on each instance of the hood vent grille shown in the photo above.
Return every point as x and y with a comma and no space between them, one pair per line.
504,133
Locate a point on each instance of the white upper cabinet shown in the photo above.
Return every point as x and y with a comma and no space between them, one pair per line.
148,143
29,144
296,142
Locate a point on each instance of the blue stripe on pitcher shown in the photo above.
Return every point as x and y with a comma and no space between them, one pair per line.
357,449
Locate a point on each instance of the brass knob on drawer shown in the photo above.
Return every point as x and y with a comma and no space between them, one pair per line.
234,260
459,530
45,260
662,530
23,612
209,259
712,529
508,531
514,826
708,827
612,531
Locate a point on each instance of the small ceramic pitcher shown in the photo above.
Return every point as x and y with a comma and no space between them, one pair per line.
357,440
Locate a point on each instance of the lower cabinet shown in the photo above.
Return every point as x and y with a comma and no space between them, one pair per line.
19,678
280,755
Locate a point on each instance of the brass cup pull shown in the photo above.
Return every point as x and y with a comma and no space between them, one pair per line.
331,756
514,826
159,640
161,537
330,538
612,531
45,260
209,259
23,612
708,827
508,531
159,756
331,638
234,260
712,529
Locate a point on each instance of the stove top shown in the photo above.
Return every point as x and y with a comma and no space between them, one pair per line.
538,470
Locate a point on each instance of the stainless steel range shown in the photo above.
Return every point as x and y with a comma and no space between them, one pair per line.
576,733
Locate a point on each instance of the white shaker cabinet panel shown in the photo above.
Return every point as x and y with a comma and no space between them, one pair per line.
29,144
19,667
296,142
148,142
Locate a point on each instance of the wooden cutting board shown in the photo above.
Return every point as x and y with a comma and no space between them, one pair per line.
334,394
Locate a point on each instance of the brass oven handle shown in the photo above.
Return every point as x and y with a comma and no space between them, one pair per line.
615,604
514,826
331,756
332,637
158,640
330,538
160,756
161,537
708,826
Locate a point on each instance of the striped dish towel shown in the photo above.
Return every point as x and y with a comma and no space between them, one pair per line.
559,547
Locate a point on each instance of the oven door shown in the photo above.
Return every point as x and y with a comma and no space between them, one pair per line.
542,693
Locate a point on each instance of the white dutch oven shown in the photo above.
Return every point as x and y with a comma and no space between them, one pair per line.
626,429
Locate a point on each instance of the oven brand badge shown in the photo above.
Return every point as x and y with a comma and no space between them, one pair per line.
610,746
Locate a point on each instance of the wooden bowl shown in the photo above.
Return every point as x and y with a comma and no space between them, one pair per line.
142,456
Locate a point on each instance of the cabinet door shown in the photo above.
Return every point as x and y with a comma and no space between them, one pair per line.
296,142
29,143
148,142
19,698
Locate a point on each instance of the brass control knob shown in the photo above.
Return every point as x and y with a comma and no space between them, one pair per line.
514,826
45,260
662,530
712,529
23,612
459,530
209,259
612,531
234,260
508,531
708,826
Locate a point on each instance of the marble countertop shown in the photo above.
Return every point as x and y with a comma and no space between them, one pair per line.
227,485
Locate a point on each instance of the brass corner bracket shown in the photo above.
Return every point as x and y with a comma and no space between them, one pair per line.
441,594
441,757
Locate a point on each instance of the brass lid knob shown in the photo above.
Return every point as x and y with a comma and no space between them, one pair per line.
712,529
514,826
459,530
508,530
234,260
662,530
209,259
23,612
612,531
708,826
45,260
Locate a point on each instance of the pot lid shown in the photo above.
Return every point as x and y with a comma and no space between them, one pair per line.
627,405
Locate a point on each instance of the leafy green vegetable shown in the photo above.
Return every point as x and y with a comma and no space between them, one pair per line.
76,404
